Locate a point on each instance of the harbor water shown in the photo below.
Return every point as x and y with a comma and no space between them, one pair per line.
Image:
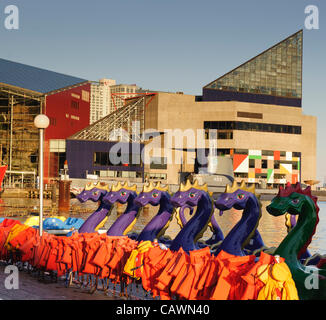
272,229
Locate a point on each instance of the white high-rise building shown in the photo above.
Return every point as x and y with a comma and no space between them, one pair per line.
100,104
120,92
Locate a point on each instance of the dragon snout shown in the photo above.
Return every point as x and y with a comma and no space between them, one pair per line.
278,207
81,198
110,199
224,203
178,201
141,201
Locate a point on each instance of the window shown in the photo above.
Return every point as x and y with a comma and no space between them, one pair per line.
127,160
240,175
156,176
268,153
104,159
222,152
75,104
57,145
264,164
241,151
53,121
225,135
33,158
251,163
251,126
158,163
251,115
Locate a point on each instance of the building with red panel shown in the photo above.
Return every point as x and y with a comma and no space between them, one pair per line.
25,92
69,112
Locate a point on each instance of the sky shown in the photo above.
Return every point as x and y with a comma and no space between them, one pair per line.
167,45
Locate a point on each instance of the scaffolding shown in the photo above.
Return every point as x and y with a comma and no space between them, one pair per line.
125,124
19,138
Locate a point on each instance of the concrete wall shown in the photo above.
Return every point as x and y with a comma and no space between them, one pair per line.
178,111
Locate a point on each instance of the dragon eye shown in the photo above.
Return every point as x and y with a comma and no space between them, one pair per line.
295,201
123,193
155,195
192,194
95,193
240,196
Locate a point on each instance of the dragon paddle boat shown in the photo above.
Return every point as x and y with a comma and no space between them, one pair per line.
155,195
244,236
217,234
125,222
95,192
192,195
310,280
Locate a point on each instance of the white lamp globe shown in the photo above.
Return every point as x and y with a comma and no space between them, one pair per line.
41,121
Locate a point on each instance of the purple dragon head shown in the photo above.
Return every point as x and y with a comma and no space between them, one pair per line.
94,192
120,193
234,197
188,195
151,194
190,198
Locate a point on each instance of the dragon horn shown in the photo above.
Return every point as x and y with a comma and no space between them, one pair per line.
252,188
242,185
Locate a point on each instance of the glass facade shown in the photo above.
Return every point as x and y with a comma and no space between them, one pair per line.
277,72
106,159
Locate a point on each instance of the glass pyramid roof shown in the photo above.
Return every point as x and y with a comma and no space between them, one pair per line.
277,72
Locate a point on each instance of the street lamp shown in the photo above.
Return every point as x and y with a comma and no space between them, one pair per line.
41,122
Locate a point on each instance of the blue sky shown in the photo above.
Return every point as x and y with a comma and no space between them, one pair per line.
169,45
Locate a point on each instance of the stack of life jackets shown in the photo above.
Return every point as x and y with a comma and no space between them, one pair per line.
88,253
202,276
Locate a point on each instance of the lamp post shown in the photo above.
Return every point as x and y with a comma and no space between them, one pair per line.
41,122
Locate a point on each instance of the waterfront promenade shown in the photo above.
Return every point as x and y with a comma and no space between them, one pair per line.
32,289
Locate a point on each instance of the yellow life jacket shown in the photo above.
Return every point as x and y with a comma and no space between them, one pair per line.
14,231
135,260
278,282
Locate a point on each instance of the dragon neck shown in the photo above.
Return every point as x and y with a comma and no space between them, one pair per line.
195,227
126,221
155,227
243,230
217,235
216,229
183,220
95,218
299,238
